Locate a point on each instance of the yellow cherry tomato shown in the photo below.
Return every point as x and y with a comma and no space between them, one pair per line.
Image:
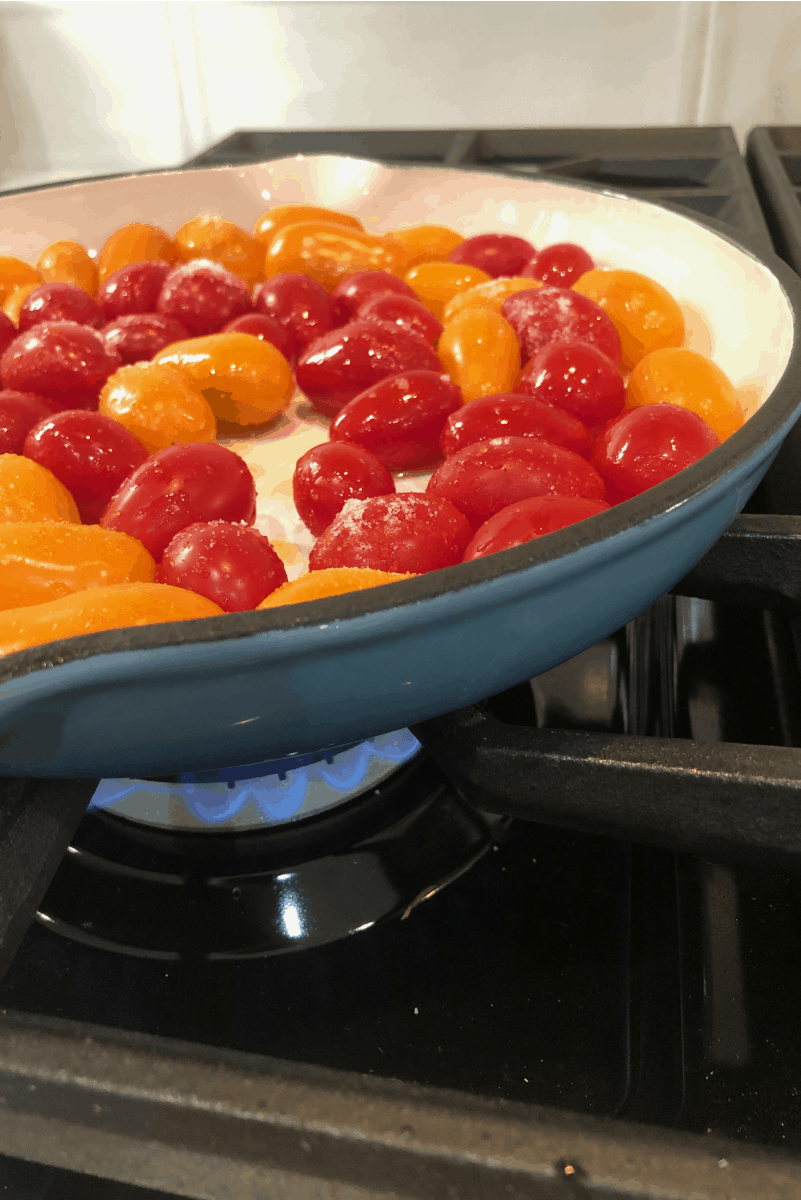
223,242
645,315
480,352
12,305
435,283
29,492
40,561
245,380
329,253
159,405
15,273
270,222
687,379
487,295
427,243
68,262
137,242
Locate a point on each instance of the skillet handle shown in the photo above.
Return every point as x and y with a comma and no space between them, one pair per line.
720,801
756,562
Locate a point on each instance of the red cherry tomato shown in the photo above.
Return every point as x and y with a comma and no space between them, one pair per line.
139,336
405,313
329,475
300,304
179,486
400,419
529,519
488,476
203,296
647,445
19,412
560,315
61,361
133,289
403,534
356,290
266,329
495,253
578,378
559,266
508,415
233,566
346,361
89,453
8,331
59,302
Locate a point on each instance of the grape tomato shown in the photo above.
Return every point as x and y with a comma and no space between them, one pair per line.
356,290
231,565
529,519
203,296
299,304
647,445
480,352
405,313
139,336
327,476
158,405
19,412
559,265
133,289
266,330
61,361
560,315
578,378
59,302
511,415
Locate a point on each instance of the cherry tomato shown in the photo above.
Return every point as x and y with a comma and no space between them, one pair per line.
68,262
345,362
137,242
29,492
204,297
491,294
133,289
435,283
645,315
178,487
686,379
8,331
233,566
351,293
560,315
529,519
560,265
59,302
509,415
578,378
488,476
140,336
19,412
301,305
246,381
266,329
480,352
270,222
400,419
405,533
647,445
223,242
14,274
404,312
89,453
158,405
495,253
61,361
329,475
329,252
427,243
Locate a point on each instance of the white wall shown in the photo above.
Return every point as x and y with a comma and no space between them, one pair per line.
93,87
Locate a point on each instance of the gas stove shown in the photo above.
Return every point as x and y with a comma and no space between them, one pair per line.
544,946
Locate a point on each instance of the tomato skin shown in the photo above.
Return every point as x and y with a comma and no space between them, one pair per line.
89,453
529,519
180,486
405,313
300,305
511,415
559,265
578,378
645,315
133,289
647,445
134,243
356,290
8,331
158,405
61,361
19,412
203,296
495,253
688,380
345,362
480,352
560,315
327,476
408,533
140,336
212,237
245,380
68,262
234,567
281,215
400,419
436,283
266,330
330,252
488,476
59,302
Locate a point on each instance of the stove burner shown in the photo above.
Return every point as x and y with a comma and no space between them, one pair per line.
262,795
187,892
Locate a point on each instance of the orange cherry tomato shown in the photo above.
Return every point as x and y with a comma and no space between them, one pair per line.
427,243
480,352
137,242
435,283
333,581
646,316
270,222
159,405
40,561
14,273
223,242
329,253
246,381
29,492
12,305
487,295
117,606
68,262
685,378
